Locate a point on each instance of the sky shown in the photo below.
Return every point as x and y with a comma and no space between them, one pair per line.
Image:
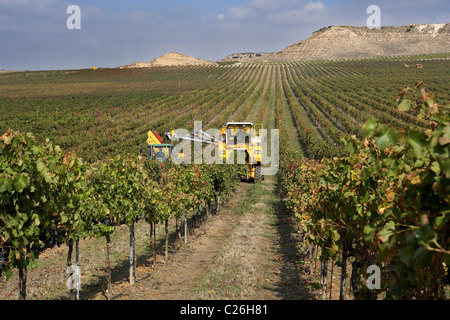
34,34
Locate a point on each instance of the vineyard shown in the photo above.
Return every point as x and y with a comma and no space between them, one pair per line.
364,161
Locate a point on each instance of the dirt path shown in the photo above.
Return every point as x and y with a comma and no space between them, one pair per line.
246,251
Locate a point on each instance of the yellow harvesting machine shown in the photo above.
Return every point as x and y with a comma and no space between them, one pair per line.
244,136
234,136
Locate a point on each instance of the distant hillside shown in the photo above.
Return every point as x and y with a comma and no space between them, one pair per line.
242,57
8,71
339,42
169,60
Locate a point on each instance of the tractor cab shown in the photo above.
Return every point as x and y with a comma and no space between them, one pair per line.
156,149
160,152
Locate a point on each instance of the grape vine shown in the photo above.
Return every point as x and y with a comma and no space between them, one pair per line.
48,197
386,204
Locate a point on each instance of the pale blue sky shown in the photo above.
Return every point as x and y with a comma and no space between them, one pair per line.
34,36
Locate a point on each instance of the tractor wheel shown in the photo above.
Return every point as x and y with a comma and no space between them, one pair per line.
258,174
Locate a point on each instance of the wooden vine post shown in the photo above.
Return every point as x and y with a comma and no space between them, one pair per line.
108,268
69,266
323,273
77,274
185,226
331,278
166,244
343,274
22,283
132,255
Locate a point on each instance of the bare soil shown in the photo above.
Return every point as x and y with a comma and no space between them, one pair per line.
244,252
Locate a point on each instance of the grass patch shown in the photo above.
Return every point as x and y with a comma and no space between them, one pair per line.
270,236
255,193
243,206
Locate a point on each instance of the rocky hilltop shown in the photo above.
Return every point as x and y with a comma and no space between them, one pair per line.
169,60
346,42
243,57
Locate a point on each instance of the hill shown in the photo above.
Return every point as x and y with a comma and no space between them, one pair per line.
169,60
347,42
247,56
